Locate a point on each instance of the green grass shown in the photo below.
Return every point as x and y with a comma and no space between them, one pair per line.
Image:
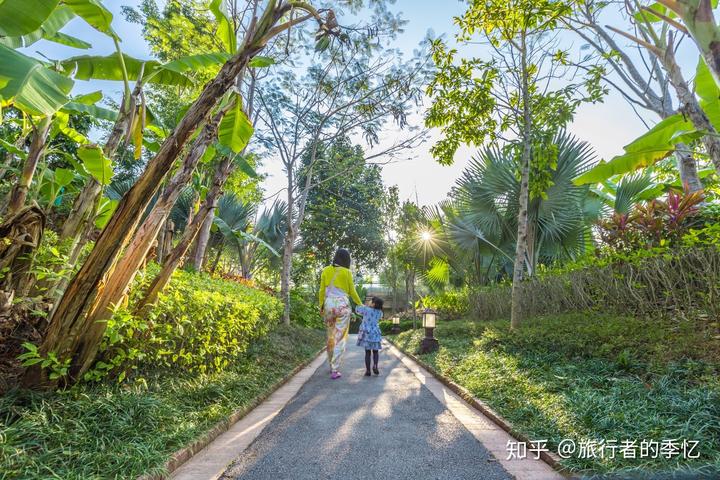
590,376
122,432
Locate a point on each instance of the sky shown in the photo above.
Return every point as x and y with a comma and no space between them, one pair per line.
607,126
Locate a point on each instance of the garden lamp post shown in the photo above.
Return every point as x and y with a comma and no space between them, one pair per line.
395,325
429,344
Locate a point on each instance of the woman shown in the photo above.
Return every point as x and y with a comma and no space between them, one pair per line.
336,284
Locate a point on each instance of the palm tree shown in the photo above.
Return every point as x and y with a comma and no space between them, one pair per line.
233,219
255,246
478,226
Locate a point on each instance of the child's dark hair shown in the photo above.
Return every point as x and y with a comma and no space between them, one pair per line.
377,303
342,258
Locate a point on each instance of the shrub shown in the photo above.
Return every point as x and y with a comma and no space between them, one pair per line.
451,305
198,324
405,324
654,223
304,310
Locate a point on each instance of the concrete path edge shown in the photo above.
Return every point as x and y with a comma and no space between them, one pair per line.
186,453
548,457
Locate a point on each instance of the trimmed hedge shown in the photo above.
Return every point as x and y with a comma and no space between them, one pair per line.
648,282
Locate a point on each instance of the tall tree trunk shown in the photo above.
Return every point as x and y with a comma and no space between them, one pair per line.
691,107
165,243
175,257
202,241
521,247
288,245
70,335
687,166
412,298
216,262
18,194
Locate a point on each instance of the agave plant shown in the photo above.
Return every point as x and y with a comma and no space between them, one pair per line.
480,223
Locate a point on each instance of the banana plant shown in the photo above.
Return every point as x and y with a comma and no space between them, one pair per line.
659,142
25,82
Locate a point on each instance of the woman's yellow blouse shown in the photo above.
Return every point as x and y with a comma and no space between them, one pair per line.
343,281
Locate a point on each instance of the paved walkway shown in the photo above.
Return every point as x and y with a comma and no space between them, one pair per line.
402,424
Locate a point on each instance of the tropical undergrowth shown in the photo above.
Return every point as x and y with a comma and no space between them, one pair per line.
107,430
593,377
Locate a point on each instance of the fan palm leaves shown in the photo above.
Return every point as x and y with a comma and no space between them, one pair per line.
479,224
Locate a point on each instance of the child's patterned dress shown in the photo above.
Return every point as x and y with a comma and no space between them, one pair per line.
372,338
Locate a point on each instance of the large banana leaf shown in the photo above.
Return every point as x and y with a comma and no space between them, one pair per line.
660,141
88,67
49,30
94,13
709,93
200,62
225,31
92,110
648,149
235,128
20,17
29,85
96,163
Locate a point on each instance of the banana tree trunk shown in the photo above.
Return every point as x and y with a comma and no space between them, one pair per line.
216,262
175,257
165,241
18,194
699,19
522,232
71,335
122,276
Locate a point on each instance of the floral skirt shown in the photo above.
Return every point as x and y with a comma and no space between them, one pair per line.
337,322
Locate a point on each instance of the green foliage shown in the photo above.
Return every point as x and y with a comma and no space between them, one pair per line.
58,369
235,128
56,435
21,18
386,325
451,304
199,324
51,263
463,102
304,310
645,151
593,376
344,209
476,230
479,101
29,85
654,224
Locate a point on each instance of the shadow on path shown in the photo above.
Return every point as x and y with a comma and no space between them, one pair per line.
363,428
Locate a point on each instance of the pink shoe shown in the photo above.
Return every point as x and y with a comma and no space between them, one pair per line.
335,375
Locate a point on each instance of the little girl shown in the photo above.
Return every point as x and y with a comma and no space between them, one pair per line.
369,336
